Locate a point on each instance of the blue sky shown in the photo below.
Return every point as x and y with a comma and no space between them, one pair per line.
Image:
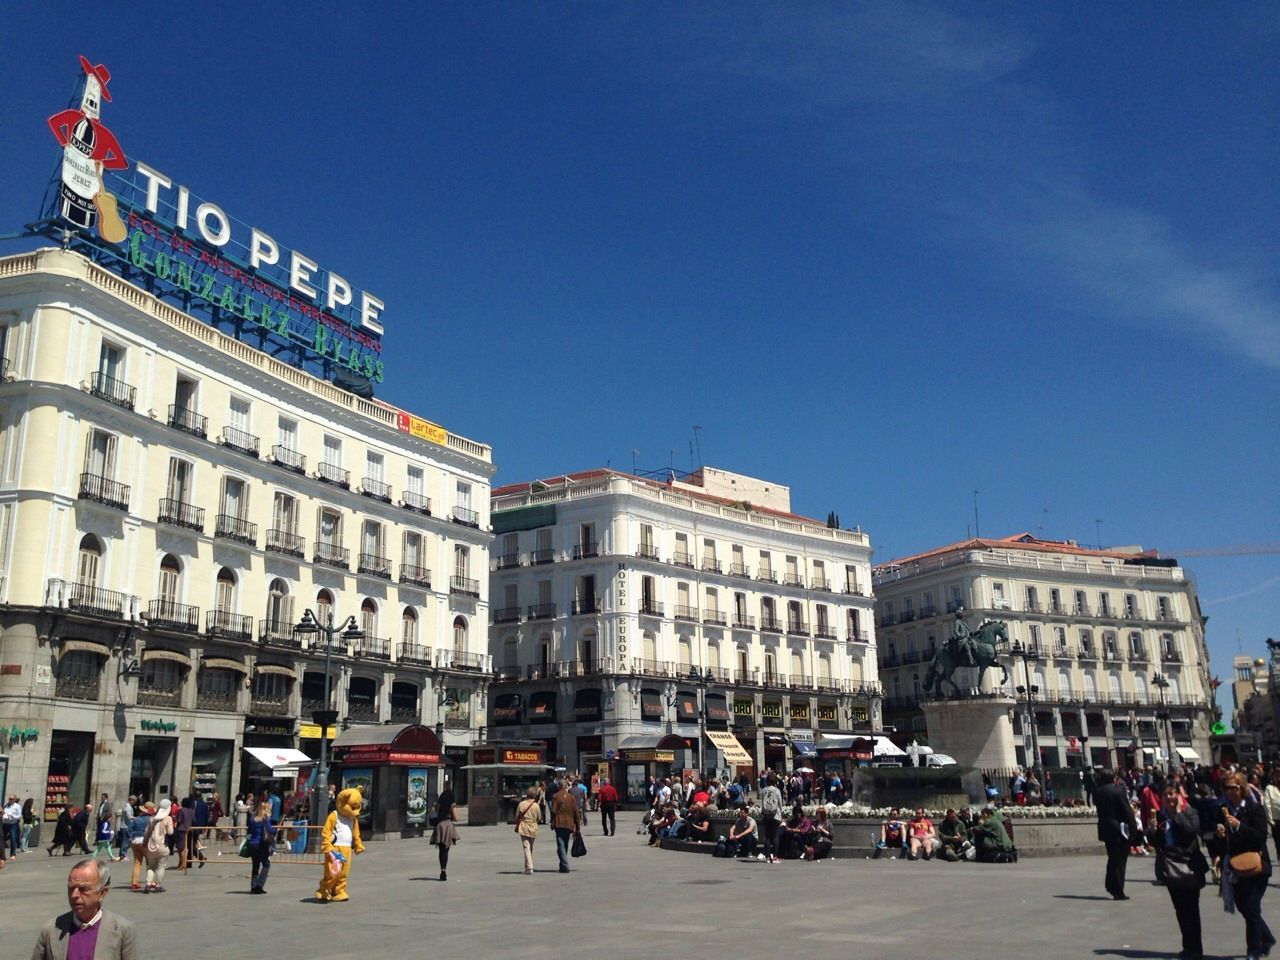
887,254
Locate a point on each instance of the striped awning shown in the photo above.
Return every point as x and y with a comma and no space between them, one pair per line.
224,663
88,646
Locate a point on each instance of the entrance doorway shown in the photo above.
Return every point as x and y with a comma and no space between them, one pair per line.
152,768
70,770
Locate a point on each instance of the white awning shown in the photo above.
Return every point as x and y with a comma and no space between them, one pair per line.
730,747
1186,753
282,761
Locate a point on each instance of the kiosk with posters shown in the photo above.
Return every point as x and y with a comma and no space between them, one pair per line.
499,774
642,757
391,764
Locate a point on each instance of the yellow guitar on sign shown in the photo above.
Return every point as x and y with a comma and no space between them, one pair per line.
110,227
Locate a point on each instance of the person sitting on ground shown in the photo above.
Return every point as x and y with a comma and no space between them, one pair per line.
965,816
954,836
893,833
698,824
663,823
989,836
742,835
922,838
793,835
819,842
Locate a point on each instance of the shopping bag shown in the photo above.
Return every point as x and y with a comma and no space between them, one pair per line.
579,848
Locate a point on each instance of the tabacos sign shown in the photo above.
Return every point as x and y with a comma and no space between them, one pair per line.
140,222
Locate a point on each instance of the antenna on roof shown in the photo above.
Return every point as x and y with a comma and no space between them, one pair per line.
1097,531
635,452
697,428
977,528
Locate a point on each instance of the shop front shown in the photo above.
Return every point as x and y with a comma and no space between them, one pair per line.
837,753
152,769
211,762
500,774
268,733
394,766
455,772
775,738
69,779
642,757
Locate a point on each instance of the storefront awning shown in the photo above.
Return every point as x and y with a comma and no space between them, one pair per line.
276,668
728,745
655,741
224,663
803,748
281,761
174,655
1186,753
88,646
409,745
884,747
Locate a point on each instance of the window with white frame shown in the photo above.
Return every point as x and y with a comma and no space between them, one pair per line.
284,513
100,454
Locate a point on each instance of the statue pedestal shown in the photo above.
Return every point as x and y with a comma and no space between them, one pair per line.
977,731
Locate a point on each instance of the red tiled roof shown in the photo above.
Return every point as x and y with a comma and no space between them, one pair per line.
1018,541
587,475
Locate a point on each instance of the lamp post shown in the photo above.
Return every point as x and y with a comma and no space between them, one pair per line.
326,717
1028,657
1161,684
701,679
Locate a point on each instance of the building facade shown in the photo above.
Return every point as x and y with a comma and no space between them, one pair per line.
631,615
1255,733
171,502
1114,645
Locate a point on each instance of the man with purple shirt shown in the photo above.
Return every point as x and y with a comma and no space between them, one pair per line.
87,932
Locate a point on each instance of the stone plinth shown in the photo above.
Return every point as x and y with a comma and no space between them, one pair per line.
977,731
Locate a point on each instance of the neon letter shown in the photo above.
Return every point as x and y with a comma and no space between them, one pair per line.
370,309
262,249
155,180
219,237
339,292
300,270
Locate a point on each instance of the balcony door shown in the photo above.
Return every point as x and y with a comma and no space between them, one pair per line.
100,455
179,487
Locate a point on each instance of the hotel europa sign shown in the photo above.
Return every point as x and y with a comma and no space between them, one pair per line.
152,230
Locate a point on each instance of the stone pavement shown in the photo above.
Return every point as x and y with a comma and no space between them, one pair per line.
625,900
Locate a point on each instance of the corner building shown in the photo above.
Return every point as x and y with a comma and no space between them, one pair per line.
632,615
171,501
1103,629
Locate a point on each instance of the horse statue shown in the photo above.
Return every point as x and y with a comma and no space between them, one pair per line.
967,648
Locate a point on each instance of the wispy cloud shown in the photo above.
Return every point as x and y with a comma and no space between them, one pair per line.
997,161
1262,587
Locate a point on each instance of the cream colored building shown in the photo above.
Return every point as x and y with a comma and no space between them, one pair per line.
171,501
628,610
1104,630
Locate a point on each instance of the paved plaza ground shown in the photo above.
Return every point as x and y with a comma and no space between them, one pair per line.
625,900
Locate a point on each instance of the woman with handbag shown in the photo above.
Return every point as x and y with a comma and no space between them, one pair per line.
445,835
1242,826
1180,866
528,814
259,844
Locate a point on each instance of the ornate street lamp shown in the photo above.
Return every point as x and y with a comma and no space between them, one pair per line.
350,632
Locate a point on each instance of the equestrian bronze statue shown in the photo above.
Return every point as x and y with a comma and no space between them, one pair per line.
967,648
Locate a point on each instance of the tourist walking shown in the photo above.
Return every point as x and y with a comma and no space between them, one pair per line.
527,815
1246,867
123,830
80,829
445,834
87,930
1180,865
607,798
241,810
770,816
28,822
261,835
61,832
12,825
566,820
184,818
1116,829
156,845
138,843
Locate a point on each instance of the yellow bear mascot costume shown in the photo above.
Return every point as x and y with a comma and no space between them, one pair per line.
339,840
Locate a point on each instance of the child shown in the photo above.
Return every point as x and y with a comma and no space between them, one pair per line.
103,837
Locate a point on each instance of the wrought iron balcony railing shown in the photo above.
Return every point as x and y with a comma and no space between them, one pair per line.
415,501
283,541
234,528
582,551
373,565
240,441
288,458
188,421
104,491
332,555
171,615
584,605
375,489
418,576
112,390
232,626
542,611
332,473
464,586
466,517
181,514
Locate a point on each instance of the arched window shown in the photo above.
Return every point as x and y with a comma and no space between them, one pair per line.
713,656
459,635
324,606
1064,682
279,605
224,599
89,561
1090,688
369,618
1140,688
650,646
686,655
1113,686
409,627
170,577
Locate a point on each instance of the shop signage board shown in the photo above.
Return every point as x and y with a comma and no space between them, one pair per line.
744,707
800,711
771,710
147,226
416,795
311,731
522,756
658,756
22,736
158,726
859,714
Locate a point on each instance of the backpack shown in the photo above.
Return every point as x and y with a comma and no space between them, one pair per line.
155,839
770,805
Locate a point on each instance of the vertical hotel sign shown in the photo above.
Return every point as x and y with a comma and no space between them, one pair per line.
137,221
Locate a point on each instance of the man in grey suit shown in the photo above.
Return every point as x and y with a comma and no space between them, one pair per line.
87,932
1117,828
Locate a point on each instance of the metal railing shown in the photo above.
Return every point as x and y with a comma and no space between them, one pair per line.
290,544
651,608
270,706
744,621
747,677
233,626
718,618
581,668
76,688
508,561
159,697
375,489
332,473
858,636
685,612
278,633
770,624
647,551
462,660
288,458
582,551
539,557
710,565
738,569
376,647
332,555
506,615
413,653
682,559
415,501
820,583
362,711
824,631
416,575
373,565
800,680
650,668
466,517
240,441
181,514
792,579
88,599
542,611
585,605
188,421
103,490
234,528
216,700
797,628
465,587
171,615
112,390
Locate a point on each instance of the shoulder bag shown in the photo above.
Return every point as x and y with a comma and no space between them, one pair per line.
579,848
1247,864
